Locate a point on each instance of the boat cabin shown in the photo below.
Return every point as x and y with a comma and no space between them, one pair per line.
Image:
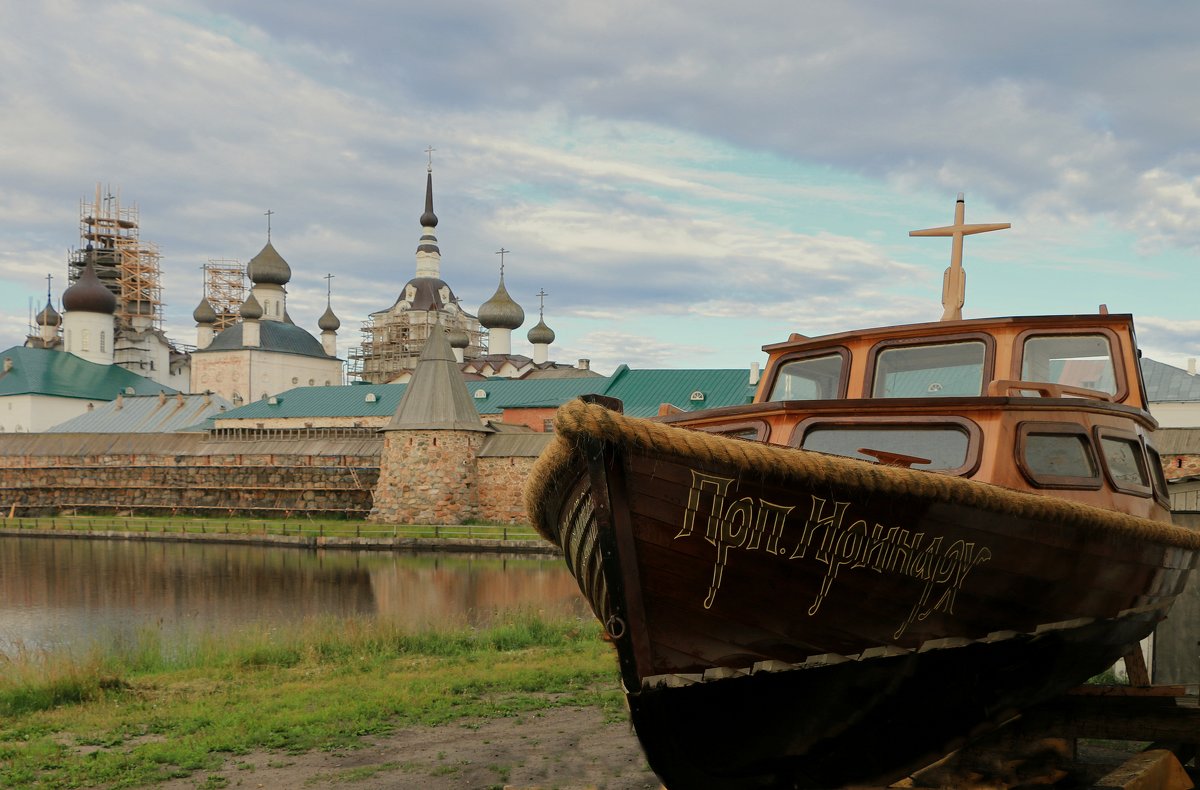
1035,403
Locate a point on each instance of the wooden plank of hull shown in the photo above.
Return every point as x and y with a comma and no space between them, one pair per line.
1019,581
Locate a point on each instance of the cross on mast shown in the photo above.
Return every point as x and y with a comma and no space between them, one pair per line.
954,281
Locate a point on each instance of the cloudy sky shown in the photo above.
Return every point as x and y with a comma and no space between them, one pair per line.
686,180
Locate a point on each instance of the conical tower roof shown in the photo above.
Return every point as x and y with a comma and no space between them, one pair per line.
436,398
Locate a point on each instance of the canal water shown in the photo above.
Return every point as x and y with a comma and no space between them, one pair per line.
61,593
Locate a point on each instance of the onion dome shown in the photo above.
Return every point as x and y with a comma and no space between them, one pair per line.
268,268
501,312
458,338
88,294
204,312
49,316
328,322
541,334
251,310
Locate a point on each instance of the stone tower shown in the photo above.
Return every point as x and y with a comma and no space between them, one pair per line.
428,467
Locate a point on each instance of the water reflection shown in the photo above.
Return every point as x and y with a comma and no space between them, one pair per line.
63,592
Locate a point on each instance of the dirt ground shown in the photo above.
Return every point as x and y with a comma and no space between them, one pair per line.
555,748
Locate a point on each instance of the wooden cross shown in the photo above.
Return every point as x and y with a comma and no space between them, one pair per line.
954,281
268,216
502,252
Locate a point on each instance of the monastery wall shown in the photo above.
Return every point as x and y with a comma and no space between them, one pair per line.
155,474
502,489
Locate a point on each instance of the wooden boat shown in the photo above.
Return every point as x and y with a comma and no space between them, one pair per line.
912,534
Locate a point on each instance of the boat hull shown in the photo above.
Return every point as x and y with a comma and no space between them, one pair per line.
783,618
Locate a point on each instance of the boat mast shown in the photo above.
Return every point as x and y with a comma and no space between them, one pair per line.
954,281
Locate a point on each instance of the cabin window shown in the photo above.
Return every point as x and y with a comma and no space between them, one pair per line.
813,378
751,430
944,370
1073,360
1124,462
1057,455
942,447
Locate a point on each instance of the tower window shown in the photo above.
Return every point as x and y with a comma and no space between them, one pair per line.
102,341
84,337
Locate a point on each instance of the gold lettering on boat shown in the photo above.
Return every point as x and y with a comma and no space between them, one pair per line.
839,543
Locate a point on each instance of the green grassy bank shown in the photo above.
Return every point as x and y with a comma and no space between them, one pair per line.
134,714
296,526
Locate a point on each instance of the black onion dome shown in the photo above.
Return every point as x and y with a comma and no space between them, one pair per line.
541,334
458,338
204,312
501,312
89,295
49,316
328,322
268,268
428,290
251,309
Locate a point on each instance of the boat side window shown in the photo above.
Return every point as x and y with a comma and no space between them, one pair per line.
1074,360
940,370
810,378
1124,462
1156,475
1057,455
938,444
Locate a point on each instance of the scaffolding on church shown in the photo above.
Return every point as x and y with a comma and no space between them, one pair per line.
225,287
392,343
128,266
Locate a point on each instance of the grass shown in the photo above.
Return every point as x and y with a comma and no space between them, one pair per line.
131,715
297,526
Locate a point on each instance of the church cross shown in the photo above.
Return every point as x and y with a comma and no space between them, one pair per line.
49,278
502,252
430,151
954,281
541,295
329,287
268,216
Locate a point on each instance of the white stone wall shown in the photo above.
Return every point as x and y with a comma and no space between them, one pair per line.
34,413
89,336
251,374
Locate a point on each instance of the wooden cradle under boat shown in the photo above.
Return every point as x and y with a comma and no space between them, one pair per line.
788,617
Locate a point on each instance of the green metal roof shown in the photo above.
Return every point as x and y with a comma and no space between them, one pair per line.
273,336
41,371
643,391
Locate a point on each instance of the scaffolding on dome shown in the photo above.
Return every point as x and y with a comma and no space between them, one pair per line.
128,266
225,288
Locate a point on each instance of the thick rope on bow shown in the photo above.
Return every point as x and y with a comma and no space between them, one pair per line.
561,464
